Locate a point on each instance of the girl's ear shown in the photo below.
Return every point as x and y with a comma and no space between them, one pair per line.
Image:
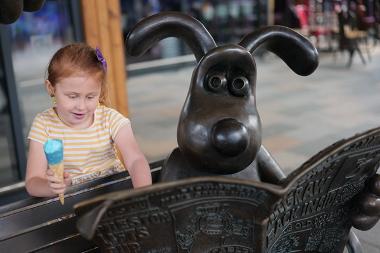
49,88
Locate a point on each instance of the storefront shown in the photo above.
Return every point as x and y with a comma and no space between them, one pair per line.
226,20
28,44
26,47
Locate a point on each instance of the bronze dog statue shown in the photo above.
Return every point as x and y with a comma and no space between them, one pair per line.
219,130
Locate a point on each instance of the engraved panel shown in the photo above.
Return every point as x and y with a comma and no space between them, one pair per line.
199,215
314,215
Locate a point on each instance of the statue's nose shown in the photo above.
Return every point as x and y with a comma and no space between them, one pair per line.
229,137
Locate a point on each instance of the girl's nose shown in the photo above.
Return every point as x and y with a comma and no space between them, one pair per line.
81,104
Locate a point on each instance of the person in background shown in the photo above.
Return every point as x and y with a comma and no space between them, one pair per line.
91,132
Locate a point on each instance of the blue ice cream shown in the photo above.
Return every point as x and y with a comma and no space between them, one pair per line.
54,151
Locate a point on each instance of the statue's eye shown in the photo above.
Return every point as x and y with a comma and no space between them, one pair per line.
216,83
239,86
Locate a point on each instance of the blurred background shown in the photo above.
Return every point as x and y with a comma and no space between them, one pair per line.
301,115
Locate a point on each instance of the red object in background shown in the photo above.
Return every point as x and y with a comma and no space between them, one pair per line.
302,13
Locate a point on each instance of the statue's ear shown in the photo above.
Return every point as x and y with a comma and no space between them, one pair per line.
157,27
88,222
293,48
33,5
10,11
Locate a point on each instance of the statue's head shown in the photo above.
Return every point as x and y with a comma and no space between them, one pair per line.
219,129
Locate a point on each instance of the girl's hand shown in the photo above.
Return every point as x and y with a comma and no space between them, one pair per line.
67,178
57,186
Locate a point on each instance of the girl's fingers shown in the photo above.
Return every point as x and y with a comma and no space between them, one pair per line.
67,181
51,176
57,186
50,172
57,189
54,179
67,178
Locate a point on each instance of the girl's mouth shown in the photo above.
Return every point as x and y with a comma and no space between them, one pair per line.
79,115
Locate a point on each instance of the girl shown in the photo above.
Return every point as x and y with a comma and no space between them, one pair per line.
89,130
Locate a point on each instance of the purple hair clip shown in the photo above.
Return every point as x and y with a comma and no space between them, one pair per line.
101,58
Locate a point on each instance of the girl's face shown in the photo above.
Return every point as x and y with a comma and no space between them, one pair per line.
76,99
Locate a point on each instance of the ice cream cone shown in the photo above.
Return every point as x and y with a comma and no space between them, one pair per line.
54,154
58,170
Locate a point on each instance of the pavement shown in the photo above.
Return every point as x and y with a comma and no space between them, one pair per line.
300,115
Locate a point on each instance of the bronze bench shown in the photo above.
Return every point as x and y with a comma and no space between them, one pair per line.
310,211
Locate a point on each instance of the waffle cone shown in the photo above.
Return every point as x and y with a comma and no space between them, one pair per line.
58,170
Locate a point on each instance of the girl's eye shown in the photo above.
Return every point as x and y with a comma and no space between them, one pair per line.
72,96
90,97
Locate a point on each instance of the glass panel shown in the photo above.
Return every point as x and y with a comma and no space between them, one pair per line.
35,38
226,20
8,167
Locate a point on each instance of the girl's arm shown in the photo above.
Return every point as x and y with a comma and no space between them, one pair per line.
134,159
39,180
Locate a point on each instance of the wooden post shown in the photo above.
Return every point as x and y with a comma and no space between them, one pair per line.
102,28
271,4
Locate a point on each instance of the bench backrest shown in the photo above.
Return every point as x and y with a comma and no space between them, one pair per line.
44,225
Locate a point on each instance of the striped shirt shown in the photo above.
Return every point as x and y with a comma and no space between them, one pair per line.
88,153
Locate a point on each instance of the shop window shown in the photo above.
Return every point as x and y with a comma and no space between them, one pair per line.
8,166
35,38
226,20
